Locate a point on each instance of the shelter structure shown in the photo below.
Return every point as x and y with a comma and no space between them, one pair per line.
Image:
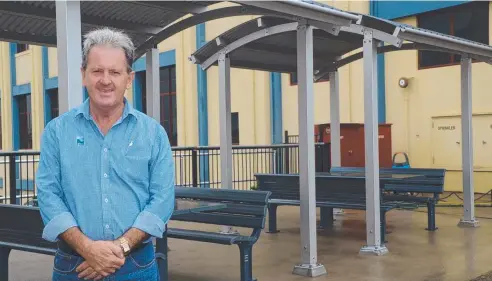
289,36
314,51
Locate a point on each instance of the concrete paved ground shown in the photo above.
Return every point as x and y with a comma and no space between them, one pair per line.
450,254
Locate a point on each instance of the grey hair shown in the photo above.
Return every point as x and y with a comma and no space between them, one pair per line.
108,36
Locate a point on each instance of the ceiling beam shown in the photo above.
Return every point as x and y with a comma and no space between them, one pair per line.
185,7
17,8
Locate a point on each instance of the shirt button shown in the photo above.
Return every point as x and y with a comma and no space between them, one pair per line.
105,175
106,200
105,149
107,226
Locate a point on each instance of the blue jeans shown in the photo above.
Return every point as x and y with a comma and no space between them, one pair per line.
140,265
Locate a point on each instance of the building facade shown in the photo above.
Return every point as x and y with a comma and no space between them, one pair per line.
425,115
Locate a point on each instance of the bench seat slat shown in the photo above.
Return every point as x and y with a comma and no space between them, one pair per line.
243,209
414,188
222,195
197,235
223,219
334,204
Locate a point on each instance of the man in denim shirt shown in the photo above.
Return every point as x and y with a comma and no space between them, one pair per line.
106,174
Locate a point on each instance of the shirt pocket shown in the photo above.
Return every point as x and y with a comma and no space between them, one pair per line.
137,158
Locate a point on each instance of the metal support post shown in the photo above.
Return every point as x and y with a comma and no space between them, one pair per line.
467,149
309,262
335,120
373,220
69,49
225,127
152,84
336,158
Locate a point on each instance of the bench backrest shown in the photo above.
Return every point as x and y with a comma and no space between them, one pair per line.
244,208
428,180
21,225
427,172
287,187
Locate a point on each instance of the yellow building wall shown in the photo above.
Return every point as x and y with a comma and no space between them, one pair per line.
6,102
426,116
37,98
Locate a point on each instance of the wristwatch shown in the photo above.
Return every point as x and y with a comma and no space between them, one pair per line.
124,246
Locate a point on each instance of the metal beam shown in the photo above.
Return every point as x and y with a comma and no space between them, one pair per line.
467,144
69,49
377,34
306,11
336,159
390,48
307,182
269,31
195,20
373,231
444,41
152,84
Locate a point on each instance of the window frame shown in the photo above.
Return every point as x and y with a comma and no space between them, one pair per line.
451,14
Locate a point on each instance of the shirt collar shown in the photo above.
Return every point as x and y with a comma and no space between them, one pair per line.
83,109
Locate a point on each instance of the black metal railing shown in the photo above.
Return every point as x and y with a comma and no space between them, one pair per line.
194,167
293,139
200,166
17,177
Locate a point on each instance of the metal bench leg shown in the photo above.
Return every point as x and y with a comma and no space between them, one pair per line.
326,218
161,256
272,218
383,226
246,252
431,216
4,263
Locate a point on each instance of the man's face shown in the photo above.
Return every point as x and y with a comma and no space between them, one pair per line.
106,77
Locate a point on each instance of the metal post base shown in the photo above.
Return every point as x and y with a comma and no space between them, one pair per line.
309,270
468,224
374,250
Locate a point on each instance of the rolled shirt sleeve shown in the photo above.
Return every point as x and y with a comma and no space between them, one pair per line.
159,210
54,212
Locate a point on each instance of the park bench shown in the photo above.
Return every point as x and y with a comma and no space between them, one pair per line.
331,192
20,229
425,188
244,209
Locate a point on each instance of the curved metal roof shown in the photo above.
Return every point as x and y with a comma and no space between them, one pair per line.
269,43
34,22
148,22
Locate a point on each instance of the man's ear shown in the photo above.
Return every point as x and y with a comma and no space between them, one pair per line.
131,77
82,72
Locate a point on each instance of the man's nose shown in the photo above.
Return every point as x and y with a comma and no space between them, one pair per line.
106,79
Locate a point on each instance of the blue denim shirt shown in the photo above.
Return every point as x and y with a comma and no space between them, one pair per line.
105,184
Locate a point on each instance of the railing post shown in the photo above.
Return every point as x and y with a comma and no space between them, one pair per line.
13,180
194,166
287,160
286,136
